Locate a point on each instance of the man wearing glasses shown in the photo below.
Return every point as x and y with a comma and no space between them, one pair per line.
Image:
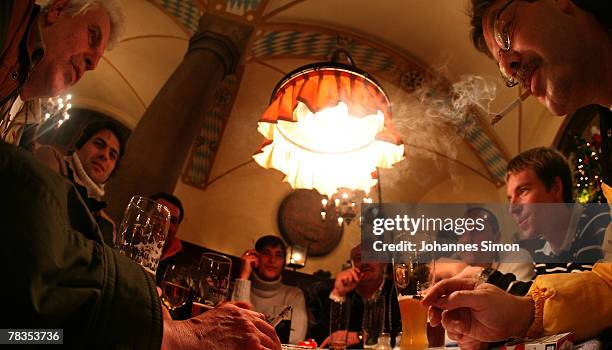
561,52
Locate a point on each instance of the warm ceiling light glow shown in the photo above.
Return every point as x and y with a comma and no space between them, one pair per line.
329,126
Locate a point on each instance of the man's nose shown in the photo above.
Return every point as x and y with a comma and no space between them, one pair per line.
104,154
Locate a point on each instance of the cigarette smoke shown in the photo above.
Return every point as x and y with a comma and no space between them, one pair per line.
431,122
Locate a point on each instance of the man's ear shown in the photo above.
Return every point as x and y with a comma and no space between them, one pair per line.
54,11
557,189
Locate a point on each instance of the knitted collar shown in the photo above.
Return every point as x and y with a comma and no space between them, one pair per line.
260,284
80,176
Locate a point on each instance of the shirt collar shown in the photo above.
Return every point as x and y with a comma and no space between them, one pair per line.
570,234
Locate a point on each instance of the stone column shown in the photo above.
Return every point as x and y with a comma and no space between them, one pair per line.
161,141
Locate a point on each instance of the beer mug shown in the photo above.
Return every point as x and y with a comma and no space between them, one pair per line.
143,231
413,274
213,282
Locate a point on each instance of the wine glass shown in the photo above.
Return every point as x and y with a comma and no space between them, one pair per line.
175,286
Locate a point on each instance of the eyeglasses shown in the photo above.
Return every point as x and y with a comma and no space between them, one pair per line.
502,38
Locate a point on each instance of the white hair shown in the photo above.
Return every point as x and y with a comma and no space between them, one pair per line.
112,7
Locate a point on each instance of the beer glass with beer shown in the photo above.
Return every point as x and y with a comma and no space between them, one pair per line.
413,274
213,282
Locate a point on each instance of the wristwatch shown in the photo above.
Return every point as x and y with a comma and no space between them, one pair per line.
484,275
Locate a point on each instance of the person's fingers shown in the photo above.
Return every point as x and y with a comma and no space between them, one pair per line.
269,338
434,315
242,305
473,299
468,343
457,321
446,287
454,336
354,276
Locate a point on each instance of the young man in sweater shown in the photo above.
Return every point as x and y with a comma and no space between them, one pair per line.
260,285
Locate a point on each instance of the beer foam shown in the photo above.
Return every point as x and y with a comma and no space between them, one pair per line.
405,297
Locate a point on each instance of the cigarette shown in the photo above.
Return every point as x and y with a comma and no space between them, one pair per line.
510,107
276,320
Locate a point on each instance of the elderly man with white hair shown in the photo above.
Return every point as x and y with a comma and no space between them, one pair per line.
58,273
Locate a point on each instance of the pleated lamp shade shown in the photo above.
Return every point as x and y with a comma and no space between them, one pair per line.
328,127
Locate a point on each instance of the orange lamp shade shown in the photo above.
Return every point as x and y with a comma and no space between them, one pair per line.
329,127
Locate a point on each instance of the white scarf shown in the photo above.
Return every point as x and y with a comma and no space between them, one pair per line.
80,176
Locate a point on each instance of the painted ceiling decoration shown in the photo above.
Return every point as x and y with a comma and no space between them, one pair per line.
313,42
186,12
207,143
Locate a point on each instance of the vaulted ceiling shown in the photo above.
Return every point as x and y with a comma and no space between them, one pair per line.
418,49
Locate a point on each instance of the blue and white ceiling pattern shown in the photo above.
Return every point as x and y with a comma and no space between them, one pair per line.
316,43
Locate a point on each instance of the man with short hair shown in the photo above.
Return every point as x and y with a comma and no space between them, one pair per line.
363,283
260,284
561,52
539,184
63,275
45,51
97,154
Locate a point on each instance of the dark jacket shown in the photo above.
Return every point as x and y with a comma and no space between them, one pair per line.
57,271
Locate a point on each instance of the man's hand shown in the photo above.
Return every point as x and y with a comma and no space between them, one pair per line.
469,271
226,327
351,339
250,261
482,313
346,281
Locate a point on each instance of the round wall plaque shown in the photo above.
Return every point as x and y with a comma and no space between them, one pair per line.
299,221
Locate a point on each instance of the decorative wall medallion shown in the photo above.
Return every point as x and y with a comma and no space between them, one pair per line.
299,221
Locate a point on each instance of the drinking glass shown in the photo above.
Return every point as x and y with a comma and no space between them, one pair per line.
338,324
413,274
143,231
175,286
213,282
373,321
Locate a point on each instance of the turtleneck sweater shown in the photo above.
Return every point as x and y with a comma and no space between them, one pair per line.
265,295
